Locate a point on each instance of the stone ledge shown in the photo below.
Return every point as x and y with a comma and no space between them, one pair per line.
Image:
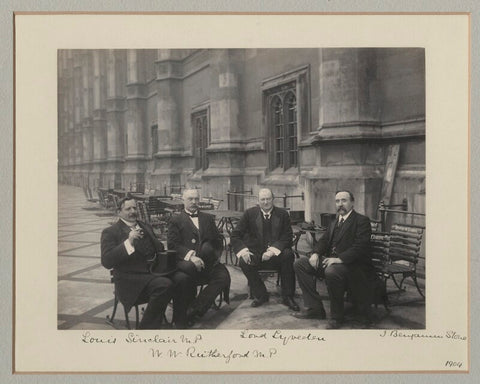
369,130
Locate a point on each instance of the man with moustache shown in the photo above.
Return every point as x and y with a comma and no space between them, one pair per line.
129,247
342,258
262,239
199,245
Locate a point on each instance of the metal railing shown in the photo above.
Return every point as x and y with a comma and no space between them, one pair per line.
385,209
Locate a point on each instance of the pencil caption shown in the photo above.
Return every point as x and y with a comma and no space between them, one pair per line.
190,346
452,336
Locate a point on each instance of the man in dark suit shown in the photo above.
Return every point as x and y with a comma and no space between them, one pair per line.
129,247
262,239
342,258
199,245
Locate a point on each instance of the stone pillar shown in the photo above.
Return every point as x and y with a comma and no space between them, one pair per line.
71,112
226,144
349,89
99,118
78,105
61,117
115,106
169,158
349,114
87,121
134,173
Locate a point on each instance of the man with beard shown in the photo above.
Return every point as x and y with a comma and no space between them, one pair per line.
342,258
199,245
129,247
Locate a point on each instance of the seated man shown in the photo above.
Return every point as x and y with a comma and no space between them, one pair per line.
129,246
341,256
198,243
262,239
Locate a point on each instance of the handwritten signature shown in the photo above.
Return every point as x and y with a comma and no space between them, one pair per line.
452,335
280,336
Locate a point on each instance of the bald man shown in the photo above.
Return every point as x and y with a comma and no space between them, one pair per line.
263,240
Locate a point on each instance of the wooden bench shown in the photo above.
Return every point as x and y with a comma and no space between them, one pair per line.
396,254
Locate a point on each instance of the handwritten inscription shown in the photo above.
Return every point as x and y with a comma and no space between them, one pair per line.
88,338
136,338
452,335
453,364
215,353
280,336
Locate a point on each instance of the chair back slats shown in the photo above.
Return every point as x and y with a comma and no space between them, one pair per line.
401,245
397,253
216,203
142,212
375,225
379,245
396,257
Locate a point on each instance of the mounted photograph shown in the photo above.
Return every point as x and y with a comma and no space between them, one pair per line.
308,136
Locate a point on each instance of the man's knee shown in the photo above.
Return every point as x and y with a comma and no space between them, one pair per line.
182,279
335,272
161,285
187,267
221,274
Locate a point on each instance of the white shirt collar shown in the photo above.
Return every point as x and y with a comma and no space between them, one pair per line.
129,223
345,217
267,213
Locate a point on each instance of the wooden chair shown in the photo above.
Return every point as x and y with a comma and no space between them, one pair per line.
379,244
403,254
216,203
226,234
110,318
376,225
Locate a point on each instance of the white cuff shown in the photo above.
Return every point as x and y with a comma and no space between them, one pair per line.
129,247
189,255
276,251
242,252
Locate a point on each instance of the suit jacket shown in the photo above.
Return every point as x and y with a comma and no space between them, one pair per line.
353,246
183,236
130,272
249,231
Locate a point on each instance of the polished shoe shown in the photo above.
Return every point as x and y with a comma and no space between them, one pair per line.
259,302
192,317
334,324
290,303
311,313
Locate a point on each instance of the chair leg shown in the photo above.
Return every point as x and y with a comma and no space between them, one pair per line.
414,277
112,317
137,320
126,318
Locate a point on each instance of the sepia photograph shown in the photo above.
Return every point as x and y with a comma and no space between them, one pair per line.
149,138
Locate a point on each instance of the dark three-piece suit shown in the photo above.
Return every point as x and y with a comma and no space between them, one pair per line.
349,242
134,283
206,241
257,234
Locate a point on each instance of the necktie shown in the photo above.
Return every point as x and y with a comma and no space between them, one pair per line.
340,223
193,214
267,216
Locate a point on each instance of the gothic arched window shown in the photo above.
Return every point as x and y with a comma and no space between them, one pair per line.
283,126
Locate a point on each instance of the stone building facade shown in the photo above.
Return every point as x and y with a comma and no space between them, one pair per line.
300,121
